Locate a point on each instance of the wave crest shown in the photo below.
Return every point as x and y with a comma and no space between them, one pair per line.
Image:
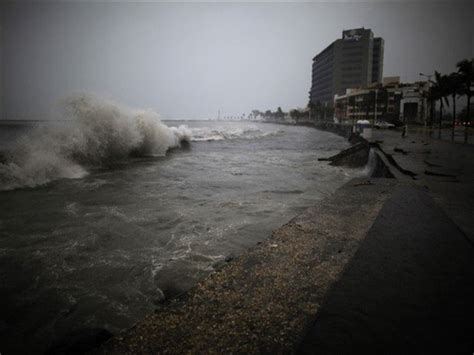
205,134
96,132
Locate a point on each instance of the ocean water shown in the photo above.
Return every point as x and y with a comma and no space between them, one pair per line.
99,222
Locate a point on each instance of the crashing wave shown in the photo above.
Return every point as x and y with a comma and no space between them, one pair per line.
206,134
98,132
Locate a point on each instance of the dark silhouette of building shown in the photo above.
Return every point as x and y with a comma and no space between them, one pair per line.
355,60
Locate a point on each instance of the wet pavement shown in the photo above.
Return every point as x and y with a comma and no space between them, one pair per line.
408,289
445,168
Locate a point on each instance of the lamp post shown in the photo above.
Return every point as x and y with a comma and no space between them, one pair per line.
428,80
375,108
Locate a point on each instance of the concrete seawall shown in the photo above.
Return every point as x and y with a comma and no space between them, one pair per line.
342,130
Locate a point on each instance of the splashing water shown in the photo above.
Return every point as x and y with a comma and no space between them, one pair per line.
219,133
99,132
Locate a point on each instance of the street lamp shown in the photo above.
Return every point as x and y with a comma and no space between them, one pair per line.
375,108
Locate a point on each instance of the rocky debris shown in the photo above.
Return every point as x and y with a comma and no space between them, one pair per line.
431,165
363,183
432,173
380,169
399,150
355,156
394,163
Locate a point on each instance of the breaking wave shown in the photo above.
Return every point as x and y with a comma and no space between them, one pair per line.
222,133
97,133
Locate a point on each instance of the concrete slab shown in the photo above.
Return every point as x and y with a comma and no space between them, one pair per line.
408,289
445,168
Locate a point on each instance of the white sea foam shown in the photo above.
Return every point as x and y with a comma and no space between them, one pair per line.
223,133
98,132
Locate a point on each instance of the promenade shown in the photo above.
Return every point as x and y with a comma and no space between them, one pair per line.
445,169
382,266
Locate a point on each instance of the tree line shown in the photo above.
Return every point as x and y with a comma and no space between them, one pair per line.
452,86
312,112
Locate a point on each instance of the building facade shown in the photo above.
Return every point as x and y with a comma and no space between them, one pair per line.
1,72
355,60
391,101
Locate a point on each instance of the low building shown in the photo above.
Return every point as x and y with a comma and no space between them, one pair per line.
391,101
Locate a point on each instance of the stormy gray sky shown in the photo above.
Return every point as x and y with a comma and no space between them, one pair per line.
188,60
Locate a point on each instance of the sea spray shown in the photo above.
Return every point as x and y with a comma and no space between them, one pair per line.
219,133
98,132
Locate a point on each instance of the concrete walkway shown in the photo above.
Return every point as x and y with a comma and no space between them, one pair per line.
446,169
408,289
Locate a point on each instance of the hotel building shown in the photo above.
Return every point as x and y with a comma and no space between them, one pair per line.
355,60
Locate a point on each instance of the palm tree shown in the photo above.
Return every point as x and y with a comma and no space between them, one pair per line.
466,73
318,110
279,114
440,92
311,110
430,97
454,87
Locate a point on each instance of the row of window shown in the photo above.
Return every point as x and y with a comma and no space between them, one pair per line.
321,63
349,84
351,61
322,78
352,51
322,71
351,68
322,85
352,75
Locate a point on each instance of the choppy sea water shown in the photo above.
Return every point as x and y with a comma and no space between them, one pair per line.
101,249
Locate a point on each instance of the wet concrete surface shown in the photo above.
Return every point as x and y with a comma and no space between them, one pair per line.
445,168
408,289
